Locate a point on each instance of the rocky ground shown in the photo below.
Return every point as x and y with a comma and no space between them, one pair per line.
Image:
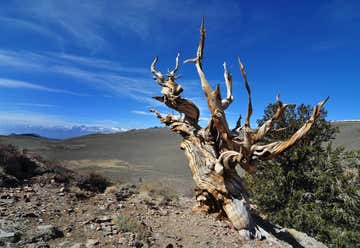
52,215
45,205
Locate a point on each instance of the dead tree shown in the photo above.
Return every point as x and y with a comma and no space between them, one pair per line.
215,151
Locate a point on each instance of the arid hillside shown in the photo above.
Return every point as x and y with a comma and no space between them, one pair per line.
146,155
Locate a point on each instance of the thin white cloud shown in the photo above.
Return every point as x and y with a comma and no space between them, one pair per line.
31,26
28,104
10,83
45,61
18,60
141,112
30,118
98,73
84,22
100,63
204,119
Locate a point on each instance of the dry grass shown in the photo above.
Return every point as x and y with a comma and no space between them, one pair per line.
126,223
111,190
97,163
158,192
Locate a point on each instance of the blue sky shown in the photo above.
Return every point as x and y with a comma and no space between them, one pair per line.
72,65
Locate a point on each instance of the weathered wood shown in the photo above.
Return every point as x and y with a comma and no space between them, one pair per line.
214,152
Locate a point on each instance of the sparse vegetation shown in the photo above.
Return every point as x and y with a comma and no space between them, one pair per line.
111,190
313,187
93,182
159,193
16,166
15,163
126,223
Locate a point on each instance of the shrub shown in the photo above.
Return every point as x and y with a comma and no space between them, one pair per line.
313,187
94,183
127,224
159,192
16,164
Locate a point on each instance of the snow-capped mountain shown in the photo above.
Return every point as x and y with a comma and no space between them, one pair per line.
58,132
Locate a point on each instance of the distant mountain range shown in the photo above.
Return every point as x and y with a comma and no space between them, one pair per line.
66,132
57,132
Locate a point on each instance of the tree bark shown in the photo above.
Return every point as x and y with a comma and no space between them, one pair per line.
214,152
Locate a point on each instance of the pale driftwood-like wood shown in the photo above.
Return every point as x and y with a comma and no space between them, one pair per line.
214,152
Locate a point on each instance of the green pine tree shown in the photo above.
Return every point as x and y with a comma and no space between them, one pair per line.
313,187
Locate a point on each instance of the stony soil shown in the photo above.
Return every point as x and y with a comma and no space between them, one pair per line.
51,215
43,204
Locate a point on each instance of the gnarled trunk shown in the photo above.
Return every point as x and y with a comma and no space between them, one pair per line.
215,151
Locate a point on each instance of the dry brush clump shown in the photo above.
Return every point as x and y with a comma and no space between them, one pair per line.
157,193
126,223
93,182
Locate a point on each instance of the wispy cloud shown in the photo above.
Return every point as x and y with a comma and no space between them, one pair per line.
31,118
141,112
102,74
10,83
100,63
18,23
28,104
83,22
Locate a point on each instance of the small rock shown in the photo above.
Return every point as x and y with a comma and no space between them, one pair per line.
103,219
46,233
304,239
9,237
28,189
27,198
163,212
244,235
29,215
136,243
6,202
69,228
92,243
77,245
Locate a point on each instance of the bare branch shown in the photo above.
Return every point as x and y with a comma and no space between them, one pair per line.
268,124
238,124
172,73
198,60
249,112
225,103
269,151
158,76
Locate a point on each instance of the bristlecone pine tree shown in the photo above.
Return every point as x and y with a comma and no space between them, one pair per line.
215,151
312,187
